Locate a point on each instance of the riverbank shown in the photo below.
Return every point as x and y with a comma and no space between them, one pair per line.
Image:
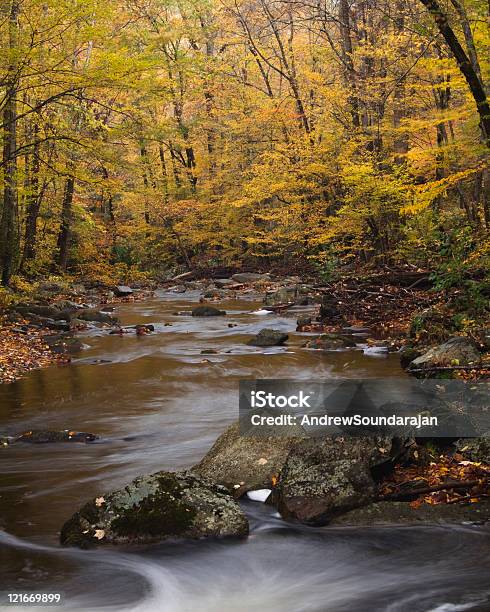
38,326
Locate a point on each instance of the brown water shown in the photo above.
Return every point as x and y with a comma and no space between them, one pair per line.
157,403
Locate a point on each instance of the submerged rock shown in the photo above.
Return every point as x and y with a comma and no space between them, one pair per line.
324,478
244,463
331,342
207,311
46,436
456,351
268,337
154,508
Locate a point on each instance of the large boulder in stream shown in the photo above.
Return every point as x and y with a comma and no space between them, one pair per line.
268,337
457,351
207,311
154,508
322,479
243,463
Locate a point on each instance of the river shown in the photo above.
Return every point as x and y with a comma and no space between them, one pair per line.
157,403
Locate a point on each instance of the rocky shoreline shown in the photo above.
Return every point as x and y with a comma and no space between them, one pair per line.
41,329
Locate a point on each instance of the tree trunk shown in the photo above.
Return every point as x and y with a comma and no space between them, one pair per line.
8,229
474,82
33,202
64,237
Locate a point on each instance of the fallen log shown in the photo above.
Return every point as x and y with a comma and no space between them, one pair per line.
455,484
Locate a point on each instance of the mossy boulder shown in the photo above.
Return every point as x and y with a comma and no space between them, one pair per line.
331,342
322,479
268,337
154,508
243,463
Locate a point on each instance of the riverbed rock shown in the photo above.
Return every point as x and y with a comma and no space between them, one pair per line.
222,283
154,508
123,291
324,478
243,463
284,295
456,351
47,436
207,311
268,337
63,344
249,278
331,342
92,314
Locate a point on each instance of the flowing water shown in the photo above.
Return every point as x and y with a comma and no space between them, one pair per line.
158,403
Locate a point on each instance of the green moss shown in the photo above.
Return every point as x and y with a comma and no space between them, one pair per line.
159,513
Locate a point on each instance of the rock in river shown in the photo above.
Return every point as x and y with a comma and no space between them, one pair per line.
63,344
207,311
123,291
268,337
324,478
92,314
330,342
46,436
154,508
250,277
243,463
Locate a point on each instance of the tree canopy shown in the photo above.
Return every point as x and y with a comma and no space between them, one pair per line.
141,135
